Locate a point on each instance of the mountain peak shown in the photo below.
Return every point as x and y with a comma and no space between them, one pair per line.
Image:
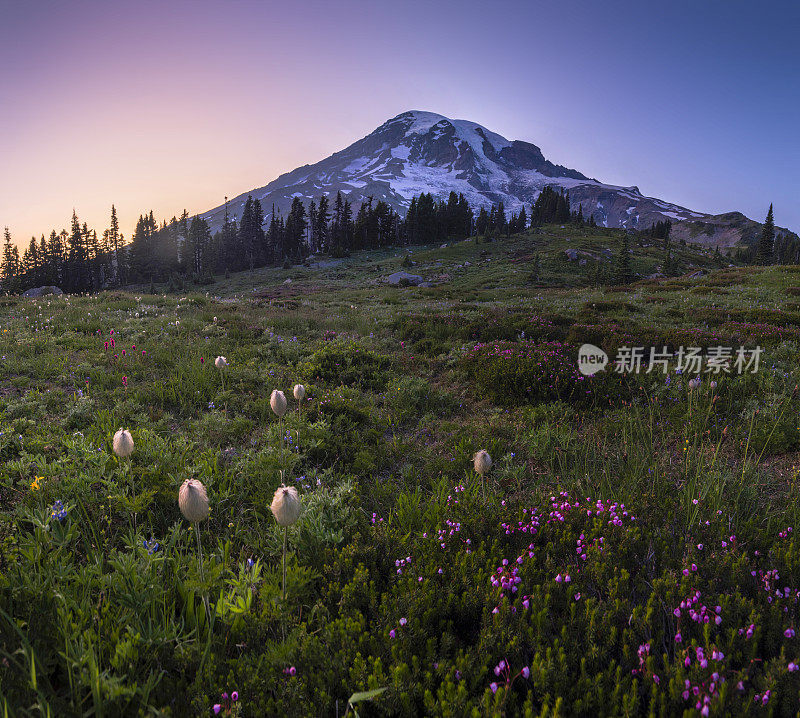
421,151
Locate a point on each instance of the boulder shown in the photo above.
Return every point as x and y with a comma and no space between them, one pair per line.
404,278
42,292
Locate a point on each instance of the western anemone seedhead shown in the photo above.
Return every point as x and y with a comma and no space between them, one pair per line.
286,505
193,500
278,402
694,383
299,392
123,443
482,462
220,362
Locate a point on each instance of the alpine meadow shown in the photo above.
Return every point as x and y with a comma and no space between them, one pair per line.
436,425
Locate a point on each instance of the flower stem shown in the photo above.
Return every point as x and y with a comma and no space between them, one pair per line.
202,573
285,536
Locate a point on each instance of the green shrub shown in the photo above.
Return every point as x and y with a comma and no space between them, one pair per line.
347,365
515,372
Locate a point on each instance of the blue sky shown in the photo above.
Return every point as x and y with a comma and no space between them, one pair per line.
167,105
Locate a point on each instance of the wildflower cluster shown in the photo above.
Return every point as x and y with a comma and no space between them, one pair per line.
228,705
58,511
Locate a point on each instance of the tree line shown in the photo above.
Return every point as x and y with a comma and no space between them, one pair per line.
184,248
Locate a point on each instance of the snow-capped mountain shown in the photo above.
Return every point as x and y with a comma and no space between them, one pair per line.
424,152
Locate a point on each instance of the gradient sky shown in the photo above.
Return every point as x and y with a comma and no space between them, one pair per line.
166,105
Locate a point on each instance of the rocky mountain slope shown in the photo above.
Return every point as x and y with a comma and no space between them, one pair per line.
425,152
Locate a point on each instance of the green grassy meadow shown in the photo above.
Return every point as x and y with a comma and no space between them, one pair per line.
632,550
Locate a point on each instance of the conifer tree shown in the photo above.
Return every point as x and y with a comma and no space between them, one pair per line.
294,248
766,243
10,265
623,275
322,234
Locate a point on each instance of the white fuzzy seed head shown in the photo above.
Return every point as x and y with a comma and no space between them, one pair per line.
299,392
694,384
193,500
123,443
482,462
286,505
220,362
278,402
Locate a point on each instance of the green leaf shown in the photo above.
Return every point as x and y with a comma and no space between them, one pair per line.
366,695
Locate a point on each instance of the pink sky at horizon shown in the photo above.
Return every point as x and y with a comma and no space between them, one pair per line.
166,106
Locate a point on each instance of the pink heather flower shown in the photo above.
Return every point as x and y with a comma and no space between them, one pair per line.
677,612
217,708
694,567
656,679
493,686
789,633
526,672
403,621
559,579
792,667
392,633
292,670
235,696
699,547
678,638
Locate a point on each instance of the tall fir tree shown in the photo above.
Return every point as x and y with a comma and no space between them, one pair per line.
623,273
766,243
10,269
